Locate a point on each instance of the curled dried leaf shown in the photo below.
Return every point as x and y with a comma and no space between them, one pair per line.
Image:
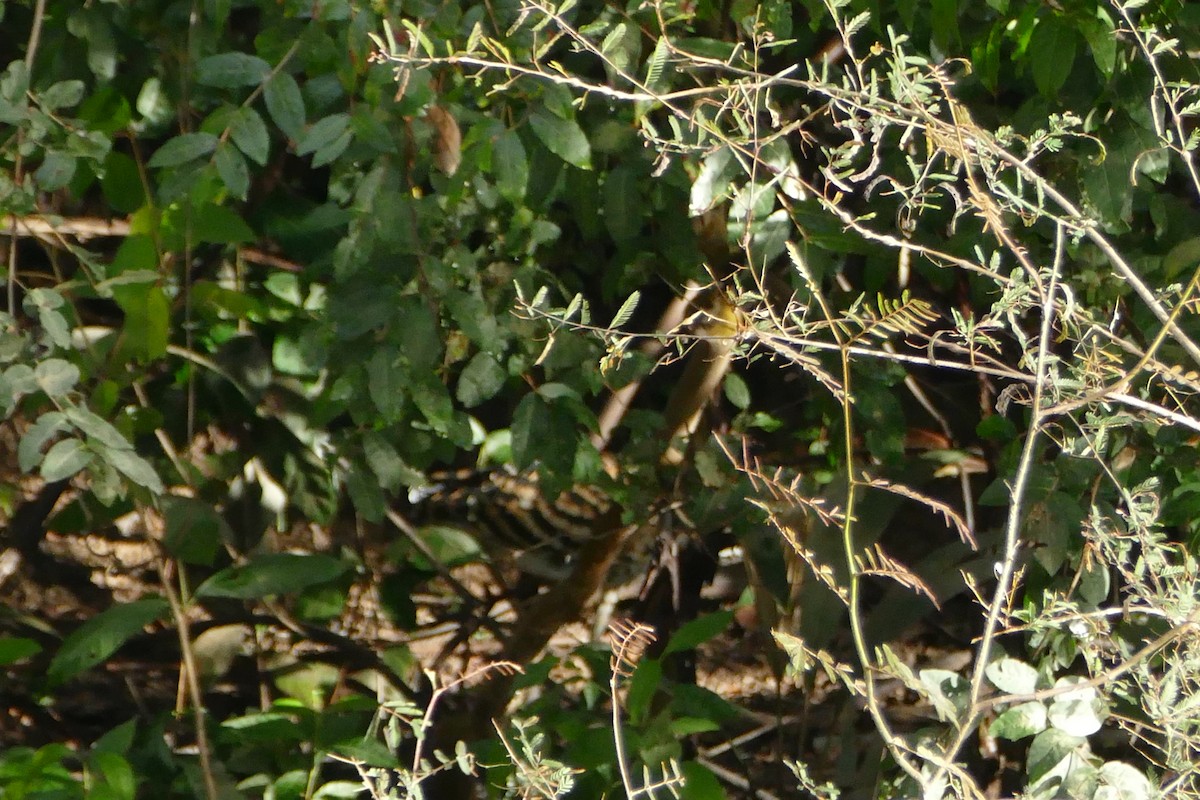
447,139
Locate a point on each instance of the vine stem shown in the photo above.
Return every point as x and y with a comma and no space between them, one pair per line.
1012,529
31,48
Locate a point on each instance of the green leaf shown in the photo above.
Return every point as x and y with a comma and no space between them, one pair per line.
194,529
231,167
285,104
645,683
1047,749
1079,712
698,631
220,225
480,380
63,94
385,461
624,207
232,70
14,649
147,317
1121,781
1012,676
1101,41
1051,55
249,133
56,377
184,148
121,183
133,467
323,133
625,312
543,434
737,391
944,16
102,635
701,783
96,427
510,165
47,426
1026,719
332,150
119,782
46,304
562,137
56,171
272,574
92,25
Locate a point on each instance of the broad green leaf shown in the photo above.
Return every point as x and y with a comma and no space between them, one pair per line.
231,166
270,574
138,256
14,649
543,434
147,317
46,303
714,181
323,132
232,70
184,148
133,467
1101,41
249,133
285,104
56,171
102,635
736,391
47,426
562,137
624,207
701,783
1012,676
56,377
194,529
480,380
92,25
121,183
948,691
1026,719
1051,54
96,427
63,94
387,384
220,225
1080,712
1121,781
119,782
387,464
698,631
332,150
510,166
1048,749
643,686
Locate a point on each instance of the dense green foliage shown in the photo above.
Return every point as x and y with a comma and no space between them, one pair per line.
271,264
